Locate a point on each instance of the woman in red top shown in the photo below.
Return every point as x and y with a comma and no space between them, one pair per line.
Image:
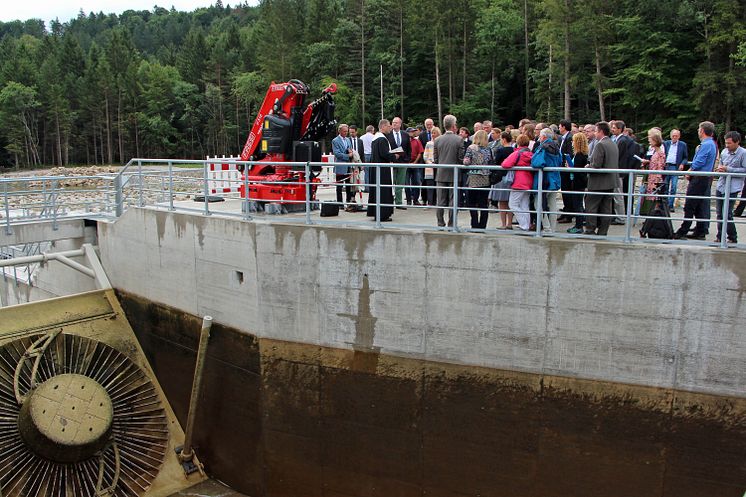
522,182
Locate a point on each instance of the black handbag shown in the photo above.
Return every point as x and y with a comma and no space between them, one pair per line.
497,175
329,209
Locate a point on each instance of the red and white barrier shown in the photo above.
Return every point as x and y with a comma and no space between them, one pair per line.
223,177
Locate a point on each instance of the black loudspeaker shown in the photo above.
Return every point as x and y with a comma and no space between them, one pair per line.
329,210
276,135
307,151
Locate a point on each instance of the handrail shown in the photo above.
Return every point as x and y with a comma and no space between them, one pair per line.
141,182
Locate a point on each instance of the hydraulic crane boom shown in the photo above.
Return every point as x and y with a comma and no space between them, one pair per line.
284,119
286,131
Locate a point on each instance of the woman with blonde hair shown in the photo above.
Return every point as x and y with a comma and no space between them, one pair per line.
657,161
478,179
428,183
578,180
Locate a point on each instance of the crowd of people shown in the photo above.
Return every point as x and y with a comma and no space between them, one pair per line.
591,201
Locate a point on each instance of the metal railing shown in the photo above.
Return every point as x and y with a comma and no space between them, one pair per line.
174,185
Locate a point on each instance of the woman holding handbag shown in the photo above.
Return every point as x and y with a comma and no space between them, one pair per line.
478,179
520,190
500,192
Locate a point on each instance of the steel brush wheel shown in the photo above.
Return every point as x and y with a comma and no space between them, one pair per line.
77,419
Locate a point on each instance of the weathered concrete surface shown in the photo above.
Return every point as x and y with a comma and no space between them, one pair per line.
53,279
291,419
42,231
659,316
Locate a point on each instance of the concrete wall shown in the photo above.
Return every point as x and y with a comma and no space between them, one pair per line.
661,316
281,419
53,279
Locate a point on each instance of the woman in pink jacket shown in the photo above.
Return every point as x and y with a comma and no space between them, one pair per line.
520,192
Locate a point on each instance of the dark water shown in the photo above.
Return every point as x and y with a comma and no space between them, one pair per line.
282,419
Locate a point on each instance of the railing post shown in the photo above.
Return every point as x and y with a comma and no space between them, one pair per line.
170,186
207,188
454,219
6,196
246,201
378,195
118,195
54,205
724,213
142,183
308,192
540,199
630,200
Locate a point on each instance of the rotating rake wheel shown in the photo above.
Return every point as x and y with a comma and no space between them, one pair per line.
77,419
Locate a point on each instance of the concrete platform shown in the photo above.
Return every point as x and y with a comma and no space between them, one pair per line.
424,218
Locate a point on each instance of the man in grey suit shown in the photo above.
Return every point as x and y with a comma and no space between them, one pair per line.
448,149
605,156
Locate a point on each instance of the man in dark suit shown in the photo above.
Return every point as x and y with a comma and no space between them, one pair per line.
605,156
381,153
425,137
677,157
448,149
398,138
356,144
568,198
426,134
627,150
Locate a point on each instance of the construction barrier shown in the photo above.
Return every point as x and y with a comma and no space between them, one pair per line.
223,177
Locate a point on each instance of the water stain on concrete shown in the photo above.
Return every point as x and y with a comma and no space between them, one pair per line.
199,224
160,221
180,223
444,243
292,419
291,233
365,356
735,261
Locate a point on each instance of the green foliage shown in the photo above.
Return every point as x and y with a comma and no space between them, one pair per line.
103,88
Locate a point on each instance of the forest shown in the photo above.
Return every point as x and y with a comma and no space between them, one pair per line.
104,88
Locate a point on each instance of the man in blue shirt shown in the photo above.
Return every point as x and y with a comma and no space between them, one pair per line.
699,186
677,155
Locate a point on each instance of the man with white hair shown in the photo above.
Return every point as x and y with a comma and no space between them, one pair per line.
487,126
448,149
677,155
342,149
589,130
427,134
